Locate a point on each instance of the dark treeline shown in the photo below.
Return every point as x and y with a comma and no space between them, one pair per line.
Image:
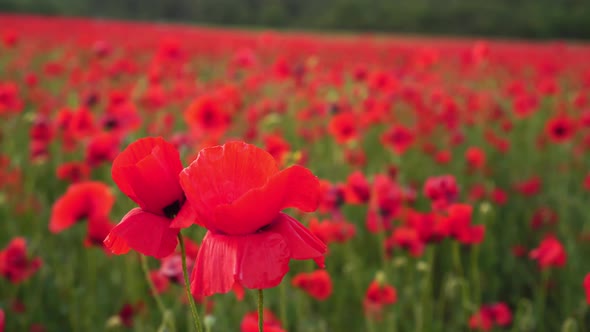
514,18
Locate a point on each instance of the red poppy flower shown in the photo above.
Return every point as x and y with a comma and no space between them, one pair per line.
147,172
488,316
586,285
529,187
317,284
441,190
237,192
332,231
271,323
560,129
358,189
15,265
475,157
90,200
73,172
550,252
399,138
2,320
407,238
378,296
207,114
343,127
102,147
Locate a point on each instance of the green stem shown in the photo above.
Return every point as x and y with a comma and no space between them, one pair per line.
284,318
191,300
260,311
157,298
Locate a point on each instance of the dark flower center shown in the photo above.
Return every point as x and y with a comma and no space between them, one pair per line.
172,210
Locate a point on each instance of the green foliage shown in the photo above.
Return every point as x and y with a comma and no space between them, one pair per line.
516,18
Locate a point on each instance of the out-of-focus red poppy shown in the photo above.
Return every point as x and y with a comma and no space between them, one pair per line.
549,253
398,138
459,225
73,172
147,172
357,189
2,322
236,191
102,147
332,231
271,323
406,238
560,129
343,127
206,114
543,216
15,264
90,200
317,284
441,190
586,285
475,158
378,295
529,187
488,316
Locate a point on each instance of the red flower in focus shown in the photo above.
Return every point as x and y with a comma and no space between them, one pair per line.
271,323
560,129
317,284
442,191
91,200
15,265
398,138
236,191
549,253
586,285
488,316
378,296
147,172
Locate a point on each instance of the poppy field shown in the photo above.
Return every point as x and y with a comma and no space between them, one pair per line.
331,182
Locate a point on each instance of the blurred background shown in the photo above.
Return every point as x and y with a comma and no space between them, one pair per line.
500,18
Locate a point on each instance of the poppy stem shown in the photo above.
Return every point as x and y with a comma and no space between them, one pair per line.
260,311
191,300
157,298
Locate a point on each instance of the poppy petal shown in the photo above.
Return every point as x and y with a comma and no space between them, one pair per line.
186,217
144,232
147,172
255,261
295,187
222,174
301,242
